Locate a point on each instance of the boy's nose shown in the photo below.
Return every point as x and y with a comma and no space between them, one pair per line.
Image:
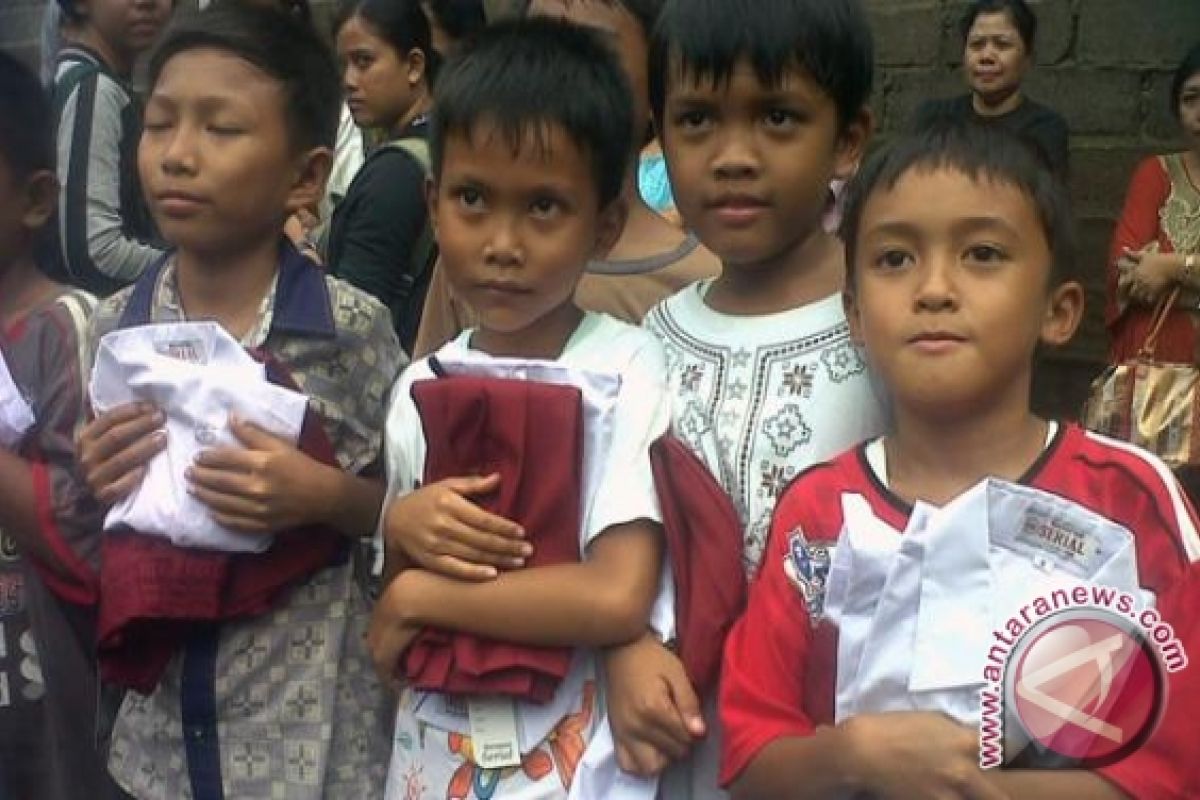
179,155
503,247
736,157
936,290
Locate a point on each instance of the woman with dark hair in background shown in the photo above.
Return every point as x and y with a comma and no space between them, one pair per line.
998,38
1156,245
379,238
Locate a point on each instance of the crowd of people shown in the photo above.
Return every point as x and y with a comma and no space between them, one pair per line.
558,400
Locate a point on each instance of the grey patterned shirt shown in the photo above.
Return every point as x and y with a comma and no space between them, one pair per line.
285,705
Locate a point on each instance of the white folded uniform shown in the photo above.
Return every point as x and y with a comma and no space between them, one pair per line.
198,376
16,417
915,615
598,776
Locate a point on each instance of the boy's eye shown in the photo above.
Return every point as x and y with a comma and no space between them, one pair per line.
156,125
892,259
545,207
985,254
692,119
471,199
361,62
225,130
781,117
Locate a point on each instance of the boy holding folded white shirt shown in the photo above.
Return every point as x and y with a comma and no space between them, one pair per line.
960,251
239,128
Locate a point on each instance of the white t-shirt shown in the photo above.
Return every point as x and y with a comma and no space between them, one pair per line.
761,398
569,734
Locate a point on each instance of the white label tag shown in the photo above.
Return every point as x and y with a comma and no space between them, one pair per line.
494,732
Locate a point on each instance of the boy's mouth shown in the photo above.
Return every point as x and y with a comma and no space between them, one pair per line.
502,287
738,209
178,203
936,341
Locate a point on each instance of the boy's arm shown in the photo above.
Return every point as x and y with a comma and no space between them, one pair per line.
600,601
18,509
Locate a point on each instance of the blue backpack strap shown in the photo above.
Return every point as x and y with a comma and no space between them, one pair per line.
141,299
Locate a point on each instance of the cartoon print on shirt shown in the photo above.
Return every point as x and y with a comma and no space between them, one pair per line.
807,567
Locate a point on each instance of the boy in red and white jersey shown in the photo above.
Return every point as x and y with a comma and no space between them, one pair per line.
960,252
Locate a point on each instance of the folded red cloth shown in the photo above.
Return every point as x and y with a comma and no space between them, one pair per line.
152,593
704,543
530,433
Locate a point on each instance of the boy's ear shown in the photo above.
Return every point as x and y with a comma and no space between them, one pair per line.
850,306
1064,311
852,144
41,198
611,226
312,171
418,65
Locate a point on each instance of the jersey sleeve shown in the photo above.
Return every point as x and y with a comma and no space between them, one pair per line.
762,696
69,518
1169,565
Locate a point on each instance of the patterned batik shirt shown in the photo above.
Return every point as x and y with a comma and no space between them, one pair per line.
285,705
760,398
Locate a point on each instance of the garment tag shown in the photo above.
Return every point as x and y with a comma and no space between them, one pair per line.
494,732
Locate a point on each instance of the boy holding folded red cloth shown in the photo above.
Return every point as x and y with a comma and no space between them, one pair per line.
524,532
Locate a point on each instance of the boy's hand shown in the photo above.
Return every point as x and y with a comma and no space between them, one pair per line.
918,754
442,531
654,711
115,447
266,486
390,634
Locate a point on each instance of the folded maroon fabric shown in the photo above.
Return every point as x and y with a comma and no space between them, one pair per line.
152,593
704,543
531,433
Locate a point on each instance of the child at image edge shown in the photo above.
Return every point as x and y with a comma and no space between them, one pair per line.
960,249
239,130
531,142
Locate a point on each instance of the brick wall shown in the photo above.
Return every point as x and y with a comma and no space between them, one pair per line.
1103,64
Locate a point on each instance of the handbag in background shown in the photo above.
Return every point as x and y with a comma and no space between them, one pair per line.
1152,404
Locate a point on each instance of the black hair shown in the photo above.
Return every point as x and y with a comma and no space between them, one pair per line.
526,75
300,9
400,23
278,44
644,11
70,12
982,153
460,19
26,127
1187,68
705,39
1022,16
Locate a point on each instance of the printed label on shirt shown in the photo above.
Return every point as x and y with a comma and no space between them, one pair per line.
1050,541
192,351
807,567
494,732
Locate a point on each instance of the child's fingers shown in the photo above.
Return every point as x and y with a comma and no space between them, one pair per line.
687,703
640,759
109,473
470,485
466,534
462,570
487,522
456,543
242,524
216,479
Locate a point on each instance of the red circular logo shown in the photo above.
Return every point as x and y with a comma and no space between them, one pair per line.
1085,686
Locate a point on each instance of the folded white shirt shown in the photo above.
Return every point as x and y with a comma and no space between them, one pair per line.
198,376
956,575
16,417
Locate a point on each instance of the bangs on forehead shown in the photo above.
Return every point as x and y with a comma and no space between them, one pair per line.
528,137
705,40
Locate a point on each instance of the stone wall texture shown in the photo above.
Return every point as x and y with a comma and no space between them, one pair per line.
1105,65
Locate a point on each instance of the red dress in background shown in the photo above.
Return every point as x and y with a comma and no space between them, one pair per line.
1162,207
